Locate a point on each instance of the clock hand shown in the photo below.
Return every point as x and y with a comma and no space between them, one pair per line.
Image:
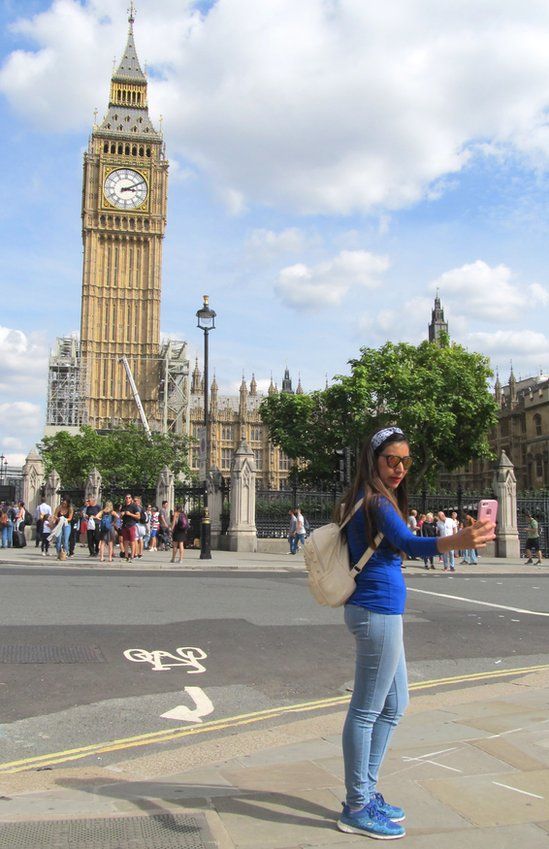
132,188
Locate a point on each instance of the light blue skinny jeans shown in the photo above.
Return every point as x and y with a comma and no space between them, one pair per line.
62,541
380,697
7,535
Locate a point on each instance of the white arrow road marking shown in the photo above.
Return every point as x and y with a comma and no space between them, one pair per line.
203,707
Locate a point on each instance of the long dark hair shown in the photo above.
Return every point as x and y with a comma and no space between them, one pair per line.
368,482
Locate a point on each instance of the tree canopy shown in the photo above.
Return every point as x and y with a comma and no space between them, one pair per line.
123,456
437,393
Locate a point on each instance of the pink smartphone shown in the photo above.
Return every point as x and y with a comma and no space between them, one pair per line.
488,509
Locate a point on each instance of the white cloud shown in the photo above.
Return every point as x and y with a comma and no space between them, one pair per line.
480,291
268,244
24,359
527,346
327,283
540,294
319,106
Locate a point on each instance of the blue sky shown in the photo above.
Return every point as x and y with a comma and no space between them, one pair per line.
331,164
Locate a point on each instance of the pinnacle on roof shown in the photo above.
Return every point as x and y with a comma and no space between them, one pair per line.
129,68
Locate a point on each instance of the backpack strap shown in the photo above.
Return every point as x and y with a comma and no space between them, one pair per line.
358,567
357,506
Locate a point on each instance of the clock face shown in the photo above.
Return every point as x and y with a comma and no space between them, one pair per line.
126,189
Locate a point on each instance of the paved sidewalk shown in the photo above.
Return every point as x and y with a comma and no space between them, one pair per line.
31,556
470,766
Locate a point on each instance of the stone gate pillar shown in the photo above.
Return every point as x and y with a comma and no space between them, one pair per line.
53,484
33,478
165,488
215,503
93,485
242,529
505,488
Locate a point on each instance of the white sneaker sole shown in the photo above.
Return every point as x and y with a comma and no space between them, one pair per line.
351,829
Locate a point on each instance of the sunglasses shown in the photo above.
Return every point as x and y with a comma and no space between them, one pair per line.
393,460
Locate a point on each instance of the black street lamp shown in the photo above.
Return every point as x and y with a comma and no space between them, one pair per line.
3,468
206,322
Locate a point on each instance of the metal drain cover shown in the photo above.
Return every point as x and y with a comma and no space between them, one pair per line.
50,654
159,831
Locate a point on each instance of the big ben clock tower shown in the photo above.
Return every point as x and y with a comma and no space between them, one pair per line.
123,222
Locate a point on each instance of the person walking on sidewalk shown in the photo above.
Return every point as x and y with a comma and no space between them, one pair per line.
180,526
532,543
446,528
292,538
374,615
429,530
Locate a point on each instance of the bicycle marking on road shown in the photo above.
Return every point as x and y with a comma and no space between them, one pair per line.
162,661
168,735
477,601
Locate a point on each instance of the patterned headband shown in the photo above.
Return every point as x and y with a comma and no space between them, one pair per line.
381,435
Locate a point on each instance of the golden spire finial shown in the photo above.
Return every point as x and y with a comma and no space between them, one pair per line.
131,13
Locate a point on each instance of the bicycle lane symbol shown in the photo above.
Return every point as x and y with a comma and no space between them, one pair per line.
164,661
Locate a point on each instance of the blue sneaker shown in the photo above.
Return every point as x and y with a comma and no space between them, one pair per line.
392,812
370,821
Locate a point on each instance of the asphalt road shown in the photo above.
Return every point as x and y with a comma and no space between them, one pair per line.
87,657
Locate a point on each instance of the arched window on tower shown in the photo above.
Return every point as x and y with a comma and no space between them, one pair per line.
127,150
141,151
538,425
120,149
105,147
134,150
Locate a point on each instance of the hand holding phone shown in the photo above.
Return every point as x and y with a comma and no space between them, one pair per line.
488,509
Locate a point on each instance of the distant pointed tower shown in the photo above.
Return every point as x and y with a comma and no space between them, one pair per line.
287,382
253,386
195,383
213,398
299,390
438,325
272,388
123,222
512,387
497,390
243,409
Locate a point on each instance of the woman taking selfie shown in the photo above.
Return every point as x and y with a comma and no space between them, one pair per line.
373,614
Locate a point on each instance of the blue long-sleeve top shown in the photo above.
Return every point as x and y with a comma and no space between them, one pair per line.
380,586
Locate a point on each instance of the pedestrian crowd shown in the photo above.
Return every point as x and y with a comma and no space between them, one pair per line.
127,530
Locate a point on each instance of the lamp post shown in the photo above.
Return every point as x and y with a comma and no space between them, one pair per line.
206,322
3,468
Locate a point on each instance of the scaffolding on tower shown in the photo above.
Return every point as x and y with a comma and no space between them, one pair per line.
67,386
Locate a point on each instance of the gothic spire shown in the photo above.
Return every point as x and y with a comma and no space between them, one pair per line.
128,111
129,69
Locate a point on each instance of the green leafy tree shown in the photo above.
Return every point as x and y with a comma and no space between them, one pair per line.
437,393
122,456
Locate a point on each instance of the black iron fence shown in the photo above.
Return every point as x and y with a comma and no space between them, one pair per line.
272,507
537,505
191,499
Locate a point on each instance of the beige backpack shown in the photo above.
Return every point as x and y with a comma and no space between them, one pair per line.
331,576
